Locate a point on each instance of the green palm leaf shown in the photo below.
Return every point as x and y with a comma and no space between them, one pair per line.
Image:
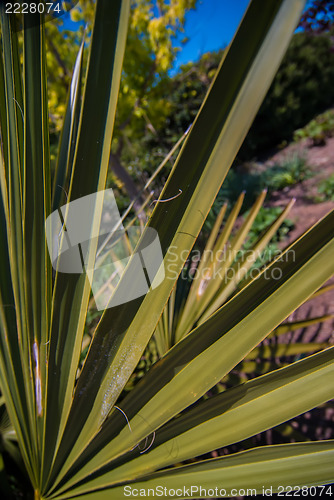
277,467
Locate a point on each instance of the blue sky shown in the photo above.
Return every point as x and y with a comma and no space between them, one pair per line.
210,26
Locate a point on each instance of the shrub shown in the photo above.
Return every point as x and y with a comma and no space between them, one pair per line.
318,130
291,170
326,188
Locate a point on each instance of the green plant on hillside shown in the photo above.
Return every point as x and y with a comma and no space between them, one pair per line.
264,219
318,130
254,178
76,436
291,170
326,188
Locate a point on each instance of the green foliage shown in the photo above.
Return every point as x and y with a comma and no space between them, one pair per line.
318,130
253,178
326,188
241,179
149,56
263,220
297,94
291,170
181,97
143,105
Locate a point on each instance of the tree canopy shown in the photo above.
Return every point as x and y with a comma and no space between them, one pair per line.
150,53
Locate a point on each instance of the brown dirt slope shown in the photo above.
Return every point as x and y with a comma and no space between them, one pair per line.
306,212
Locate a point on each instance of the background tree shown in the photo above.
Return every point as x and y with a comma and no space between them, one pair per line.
143,100
302,88
318,17
154,110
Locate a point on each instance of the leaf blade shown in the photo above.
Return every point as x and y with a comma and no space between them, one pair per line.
185,214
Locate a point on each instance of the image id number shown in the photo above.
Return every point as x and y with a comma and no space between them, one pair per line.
32,8
303,491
